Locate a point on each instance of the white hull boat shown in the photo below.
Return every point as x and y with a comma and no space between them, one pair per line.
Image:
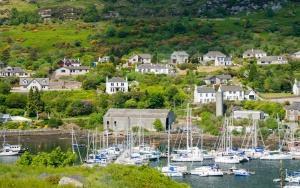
207,171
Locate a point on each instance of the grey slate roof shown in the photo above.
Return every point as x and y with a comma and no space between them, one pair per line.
116,79
13,69
272,58
205,90
224,76
253,51
231,88
151,66
144,113
180,53
215,53
41,81
294,106
248,92
145,56
297,83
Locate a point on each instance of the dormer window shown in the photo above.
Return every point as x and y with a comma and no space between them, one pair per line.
25,81
43,81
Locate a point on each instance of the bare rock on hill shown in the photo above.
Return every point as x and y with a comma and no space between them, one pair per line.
69,181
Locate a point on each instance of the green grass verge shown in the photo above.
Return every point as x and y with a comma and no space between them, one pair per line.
275,95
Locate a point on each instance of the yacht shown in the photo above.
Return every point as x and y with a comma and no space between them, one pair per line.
208,170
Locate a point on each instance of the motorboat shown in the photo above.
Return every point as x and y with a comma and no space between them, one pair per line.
239,172
208,170
276,155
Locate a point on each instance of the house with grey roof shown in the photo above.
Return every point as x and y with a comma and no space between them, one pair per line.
296,87
212,55
293,112
13,71
116,84
223,61
5,118
72,70
296,55
39,83
231,92
124,119
140,58
179,57
217,79
69,63
254,53
250,95
267,60
248,114
152,68
204,94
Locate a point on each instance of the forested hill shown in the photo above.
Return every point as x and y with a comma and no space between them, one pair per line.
144,8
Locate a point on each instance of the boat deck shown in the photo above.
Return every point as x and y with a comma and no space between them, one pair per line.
225,173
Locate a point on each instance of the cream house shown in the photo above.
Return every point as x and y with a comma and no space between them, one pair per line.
267,60
69,71
254,53
39,83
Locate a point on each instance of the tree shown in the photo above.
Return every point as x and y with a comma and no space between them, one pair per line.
270,12
16,100
34,103
5,54
156,100
55,122
253,74
79,107
158,125
4,88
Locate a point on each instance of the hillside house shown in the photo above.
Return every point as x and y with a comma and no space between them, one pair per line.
296,87
254,54
152,68
179,57
267,60
103,59
296,55
250,95
13,71
39,83
293,112
204,94
69,63
217,79
124,119
232,92
140,58
116,84
223,61
212,55
71,71
248,114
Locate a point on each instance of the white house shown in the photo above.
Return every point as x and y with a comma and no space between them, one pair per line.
296,88
103,59
39,83
296,55
12,71
232,92
179,57
69,71
250,95
140,58
272,60
254,53
204,94
223,61
211,56
116,84
152,68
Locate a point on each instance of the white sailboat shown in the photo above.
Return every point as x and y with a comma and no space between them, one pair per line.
9,149
208,170
172,170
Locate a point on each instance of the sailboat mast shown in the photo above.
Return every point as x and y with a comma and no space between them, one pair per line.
190,119
169,147
187,127
73,140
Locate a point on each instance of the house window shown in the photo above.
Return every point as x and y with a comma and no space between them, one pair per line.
112,84
34,82
63,71
206,95
200,94
43,87
25,82
122,84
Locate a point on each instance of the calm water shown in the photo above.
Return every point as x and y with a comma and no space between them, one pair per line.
265,171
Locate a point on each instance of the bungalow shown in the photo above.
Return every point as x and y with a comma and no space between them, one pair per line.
70,71
217,79
296,55
232,92
152,68
103,59
223,61
39,83
116,84
272,60
254,53
68,62
12,71
204,94
250,95
140,58
179,57
211,56
293,112
296,88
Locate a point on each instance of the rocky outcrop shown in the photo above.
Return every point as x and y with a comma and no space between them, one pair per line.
69,181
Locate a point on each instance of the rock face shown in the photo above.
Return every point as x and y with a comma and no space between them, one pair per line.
69,181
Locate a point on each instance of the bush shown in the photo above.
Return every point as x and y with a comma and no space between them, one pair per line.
185,66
